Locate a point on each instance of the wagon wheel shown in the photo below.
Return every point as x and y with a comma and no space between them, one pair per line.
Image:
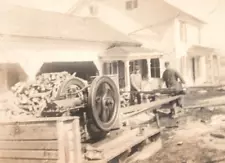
103,104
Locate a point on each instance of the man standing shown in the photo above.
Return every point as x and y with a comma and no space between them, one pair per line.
136,81
170,77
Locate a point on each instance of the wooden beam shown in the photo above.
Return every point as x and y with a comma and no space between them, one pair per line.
151,106
28,145
28,132
26,161
128,139
61,141
29,154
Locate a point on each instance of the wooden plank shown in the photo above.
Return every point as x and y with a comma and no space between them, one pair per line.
61,142
29,154
152,105
130,141
95,161
133,108
39,120
204,105
148,151
107,142
127,138
76,142
26,161
32,145
161,91
28,132
68,131
138,107
68,125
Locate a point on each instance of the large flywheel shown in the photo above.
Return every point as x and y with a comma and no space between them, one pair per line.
69,85
103,104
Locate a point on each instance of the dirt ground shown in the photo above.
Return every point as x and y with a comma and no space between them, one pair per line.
196,136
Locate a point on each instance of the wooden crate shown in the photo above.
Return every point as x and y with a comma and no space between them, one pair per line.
44,140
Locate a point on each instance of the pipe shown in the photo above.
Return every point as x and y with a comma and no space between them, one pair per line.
73,102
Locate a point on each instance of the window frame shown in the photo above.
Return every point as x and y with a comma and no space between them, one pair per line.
155,67
183,31
111,70
131,4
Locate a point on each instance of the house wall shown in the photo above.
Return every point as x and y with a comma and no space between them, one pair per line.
31,53
160,32
197,77
136,22
193,34
3,77
192,37
141,23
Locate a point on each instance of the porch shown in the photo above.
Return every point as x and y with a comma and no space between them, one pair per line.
201,66
120,62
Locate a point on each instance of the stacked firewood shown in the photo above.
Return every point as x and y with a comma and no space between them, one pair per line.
36,96
124,100
9,110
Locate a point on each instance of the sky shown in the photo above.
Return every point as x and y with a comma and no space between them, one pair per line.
213,11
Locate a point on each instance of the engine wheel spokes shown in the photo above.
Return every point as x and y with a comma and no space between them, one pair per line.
70,86
103,102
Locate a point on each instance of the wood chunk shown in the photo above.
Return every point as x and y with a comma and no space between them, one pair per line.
218,135
34,97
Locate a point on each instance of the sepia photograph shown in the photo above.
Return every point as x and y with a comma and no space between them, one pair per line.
112,81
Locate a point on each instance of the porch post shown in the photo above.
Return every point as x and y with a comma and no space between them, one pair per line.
203,69
149,68
127,75
99,64
184,67
212,68
161,66
101,73
218,67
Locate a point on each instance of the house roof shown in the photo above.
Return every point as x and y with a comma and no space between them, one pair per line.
129,53
198,50
20,21
186,13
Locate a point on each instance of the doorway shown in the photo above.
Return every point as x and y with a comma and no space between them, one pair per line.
195,70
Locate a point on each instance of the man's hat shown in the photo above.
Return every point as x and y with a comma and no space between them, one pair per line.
167,63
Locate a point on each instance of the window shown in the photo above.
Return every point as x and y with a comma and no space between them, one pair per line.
131,4
155,68
93,10
199,35
183,31
135,3
110,68
132,65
